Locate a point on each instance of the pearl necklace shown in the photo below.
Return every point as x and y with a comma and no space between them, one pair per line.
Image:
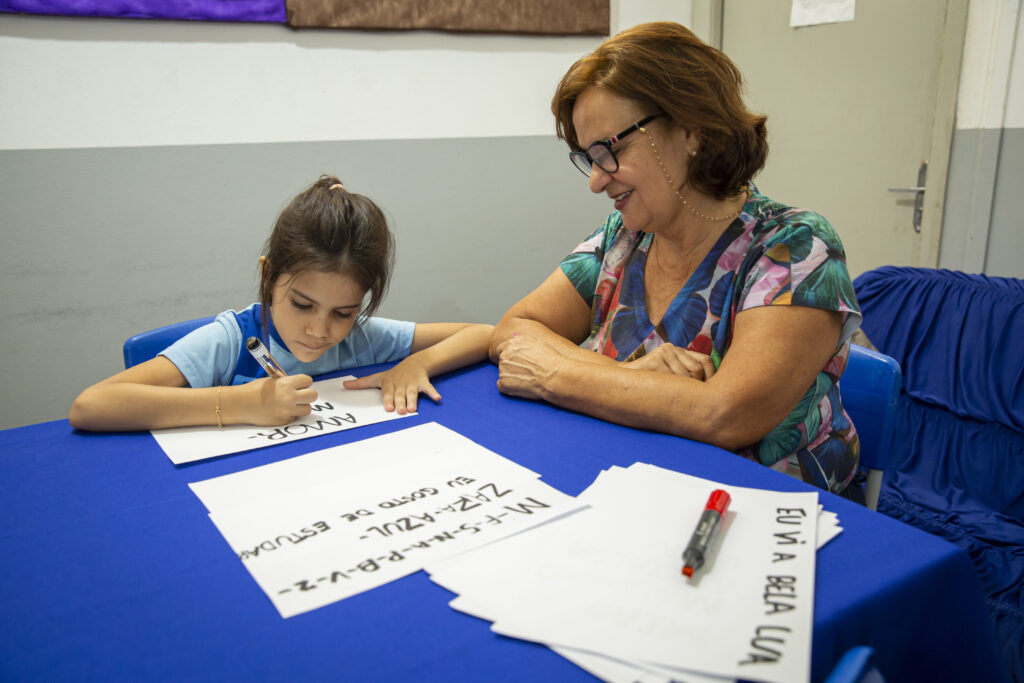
671,184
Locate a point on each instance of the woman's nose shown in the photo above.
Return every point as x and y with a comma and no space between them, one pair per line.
598,179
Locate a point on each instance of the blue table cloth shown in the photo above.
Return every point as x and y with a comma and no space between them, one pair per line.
112,570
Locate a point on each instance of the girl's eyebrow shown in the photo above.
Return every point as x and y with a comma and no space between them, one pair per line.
312,300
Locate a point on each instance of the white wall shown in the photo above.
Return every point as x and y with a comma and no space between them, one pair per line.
142,164
81,82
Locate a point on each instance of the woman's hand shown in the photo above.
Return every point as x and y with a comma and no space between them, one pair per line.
675,360
274,401
400,386
525,365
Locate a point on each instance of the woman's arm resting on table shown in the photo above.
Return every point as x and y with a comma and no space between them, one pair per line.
776,353
557,315
436,349
554,313
155,395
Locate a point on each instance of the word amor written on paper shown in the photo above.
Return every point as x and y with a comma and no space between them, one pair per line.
336,409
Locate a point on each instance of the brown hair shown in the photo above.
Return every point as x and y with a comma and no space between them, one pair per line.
667,69
329,229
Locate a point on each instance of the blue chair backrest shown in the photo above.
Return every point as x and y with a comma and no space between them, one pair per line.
870,390
957,337
856,666
148,345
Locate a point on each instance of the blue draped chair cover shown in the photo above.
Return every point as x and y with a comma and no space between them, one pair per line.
957,463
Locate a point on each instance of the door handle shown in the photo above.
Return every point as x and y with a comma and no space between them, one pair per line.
918,193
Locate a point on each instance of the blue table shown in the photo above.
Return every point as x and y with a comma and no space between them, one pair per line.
111,569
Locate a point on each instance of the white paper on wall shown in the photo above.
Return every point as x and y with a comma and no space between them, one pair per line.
814,12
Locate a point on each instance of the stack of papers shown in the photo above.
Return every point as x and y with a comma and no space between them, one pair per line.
597,578
320,527
603,586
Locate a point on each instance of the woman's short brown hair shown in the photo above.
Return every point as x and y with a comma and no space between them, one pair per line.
667,69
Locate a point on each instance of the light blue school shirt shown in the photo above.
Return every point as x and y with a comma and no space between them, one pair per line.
209,355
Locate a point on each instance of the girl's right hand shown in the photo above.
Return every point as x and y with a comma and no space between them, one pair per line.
275,401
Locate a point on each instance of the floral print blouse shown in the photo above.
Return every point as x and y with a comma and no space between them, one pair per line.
771,255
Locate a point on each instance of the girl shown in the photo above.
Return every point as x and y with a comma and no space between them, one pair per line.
328,250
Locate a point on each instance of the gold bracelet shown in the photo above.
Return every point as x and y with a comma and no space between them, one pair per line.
219,423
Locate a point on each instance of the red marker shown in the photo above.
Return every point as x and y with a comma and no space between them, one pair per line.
697,549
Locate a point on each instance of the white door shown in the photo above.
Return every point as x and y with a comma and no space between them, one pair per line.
853,109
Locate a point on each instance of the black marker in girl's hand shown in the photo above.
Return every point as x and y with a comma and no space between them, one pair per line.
263,357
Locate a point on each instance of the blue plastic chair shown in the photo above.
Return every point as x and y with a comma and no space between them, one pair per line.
856,666
870,391
147,345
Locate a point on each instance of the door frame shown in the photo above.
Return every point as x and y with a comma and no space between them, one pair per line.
707,23
988,60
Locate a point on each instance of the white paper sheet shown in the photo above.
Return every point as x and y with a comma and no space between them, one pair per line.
428,494
607,579
828,526
341,471
336,409
606,668
813,12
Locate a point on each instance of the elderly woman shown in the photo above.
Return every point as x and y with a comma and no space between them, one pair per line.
701,307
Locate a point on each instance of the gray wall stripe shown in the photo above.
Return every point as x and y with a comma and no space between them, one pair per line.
103,243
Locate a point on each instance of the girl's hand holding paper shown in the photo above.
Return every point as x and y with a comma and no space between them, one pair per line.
400,386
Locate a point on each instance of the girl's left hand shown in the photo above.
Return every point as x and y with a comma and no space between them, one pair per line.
400,386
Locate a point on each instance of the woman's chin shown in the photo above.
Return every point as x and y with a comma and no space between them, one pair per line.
632,224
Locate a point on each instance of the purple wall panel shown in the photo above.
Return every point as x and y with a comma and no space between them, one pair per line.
195,10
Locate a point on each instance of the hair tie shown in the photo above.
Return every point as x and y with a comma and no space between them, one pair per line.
336,185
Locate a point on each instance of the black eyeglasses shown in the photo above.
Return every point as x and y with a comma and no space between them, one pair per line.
600,153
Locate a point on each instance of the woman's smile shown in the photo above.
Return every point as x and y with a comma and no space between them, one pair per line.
621,199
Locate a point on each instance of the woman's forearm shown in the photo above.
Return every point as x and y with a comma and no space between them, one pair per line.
775,358
510,327
659,401
716,411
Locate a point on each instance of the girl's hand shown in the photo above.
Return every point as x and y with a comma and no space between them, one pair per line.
677,361
400,386
525,364
277,401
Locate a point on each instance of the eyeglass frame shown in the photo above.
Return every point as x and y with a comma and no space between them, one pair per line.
585,157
